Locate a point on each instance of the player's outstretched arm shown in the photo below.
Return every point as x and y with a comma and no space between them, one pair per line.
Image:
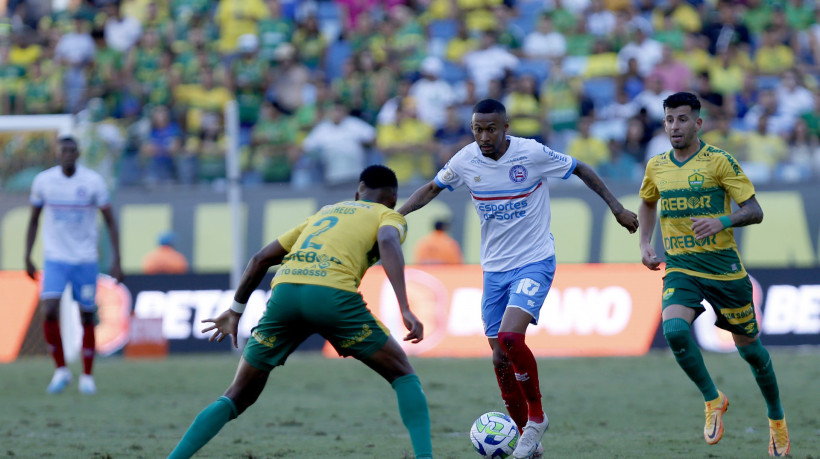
227,323
647,215
114,235
393,263
420,198
625,217
31,235
749,213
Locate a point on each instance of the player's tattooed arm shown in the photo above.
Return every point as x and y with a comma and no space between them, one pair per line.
420,198
593,181
749,213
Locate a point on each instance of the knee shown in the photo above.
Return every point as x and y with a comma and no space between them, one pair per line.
500,359
509,340
677,333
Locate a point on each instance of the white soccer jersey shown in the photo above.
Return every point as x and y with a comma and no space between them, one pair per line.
512,199
70,212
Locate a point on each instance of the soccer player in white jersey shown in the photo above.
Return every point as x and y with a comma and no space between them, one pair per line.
508,181
70,194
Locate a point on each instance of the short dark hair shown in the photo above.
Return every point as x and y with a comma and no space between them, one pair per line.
441,225
679,99
378,176
490,106
67,138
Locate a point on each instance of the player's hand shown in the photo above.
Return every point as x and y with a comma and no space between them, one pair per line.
705,227
226,324
627,219
31,270
649,259
415,326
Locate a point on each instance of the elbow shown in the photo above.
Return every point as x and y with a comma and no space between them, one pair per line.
759,216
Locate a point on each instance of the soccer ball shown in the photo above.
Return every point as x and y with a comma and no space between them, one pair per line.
494,435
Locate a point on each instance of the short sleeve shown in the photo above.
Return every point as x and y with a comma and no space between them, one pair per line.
551,163
101,197
450,176
37,197
732,178
649,189
396,220
289,238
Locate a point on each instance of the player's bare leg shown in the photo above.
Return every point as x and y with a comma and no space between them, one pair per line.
392,364
511,336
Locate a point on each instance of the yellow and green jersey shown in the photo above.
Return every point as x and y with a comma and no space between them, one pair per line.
702,186
335,246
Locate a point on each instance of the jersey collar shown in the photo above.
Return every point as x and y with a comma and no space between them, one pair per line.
680,164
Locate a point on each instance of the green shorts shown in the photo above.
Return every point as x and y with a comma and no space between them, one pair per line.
731,300
296,311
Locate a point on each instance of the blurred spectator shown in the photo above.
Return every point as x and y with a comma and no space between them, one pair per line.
463,43
121,32
765,150
25,50
757,15
451,137
561,96
289,80
162,146
11,80
309,42
766,106
340,142
588,149
611,120
726,75
236,18
725,137
675,76
75,51
545,42
524,110
432,94
41,94
652,97
164,259
725,30
634,143
248,78
745,98
438,247
694,55
647,51
274,30
274,144
631,80
603,62
659,143
600,21
793,99
684,16
621,166
407,145
502,63
772,57
804,150
711,100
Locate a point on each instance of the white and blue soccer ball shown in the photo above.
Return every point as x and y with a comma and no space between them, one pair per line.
494,435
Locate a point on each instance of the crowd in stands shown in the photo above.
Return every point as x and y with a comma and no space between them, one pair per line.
325,87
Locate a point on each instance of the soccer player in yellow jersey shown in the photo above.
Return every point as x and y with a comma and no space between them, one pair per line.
315,291
695,183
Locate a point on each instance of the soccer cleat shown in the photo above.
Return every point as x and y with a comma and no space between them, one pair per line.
779,443
539,451
61,379
530,440
87,385
713,429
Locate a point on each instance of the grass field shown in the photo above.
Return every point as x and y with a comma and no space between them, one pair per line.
317,408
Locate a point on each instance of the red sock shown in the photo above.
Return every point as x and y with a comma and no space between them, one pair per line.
88,347
51,330
512,395
526,371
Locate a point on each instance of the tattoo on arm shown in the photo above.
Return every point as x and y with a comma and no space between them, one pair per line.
749,213
593,182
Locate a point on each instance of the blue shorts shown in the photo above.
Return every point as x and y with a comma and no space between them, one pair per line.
83,278
524,288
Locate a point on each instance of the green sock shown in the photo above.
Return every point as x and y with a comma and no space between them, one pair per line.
677,334
206,425
414,414
761,364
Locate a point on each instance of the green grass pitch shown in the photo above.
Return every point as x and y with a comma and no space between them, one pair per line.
642,407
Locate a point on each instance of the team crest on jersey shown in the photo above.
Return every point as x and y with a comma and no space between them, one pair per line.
518,173
448,175
696,181
477,178
81,193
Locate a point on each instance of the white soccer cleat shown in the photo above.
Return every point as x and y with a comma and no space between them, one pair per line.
87,385
539,451
61,379
528,444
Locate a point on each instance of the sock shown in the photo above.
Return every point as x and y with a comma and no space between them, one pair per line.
678,335
761,364
51,330
526,371
512,395
414,413
206,425
88,347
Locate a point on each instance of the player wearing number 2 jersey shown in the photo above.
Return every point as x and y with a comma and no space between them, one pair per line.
508,179
315,291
